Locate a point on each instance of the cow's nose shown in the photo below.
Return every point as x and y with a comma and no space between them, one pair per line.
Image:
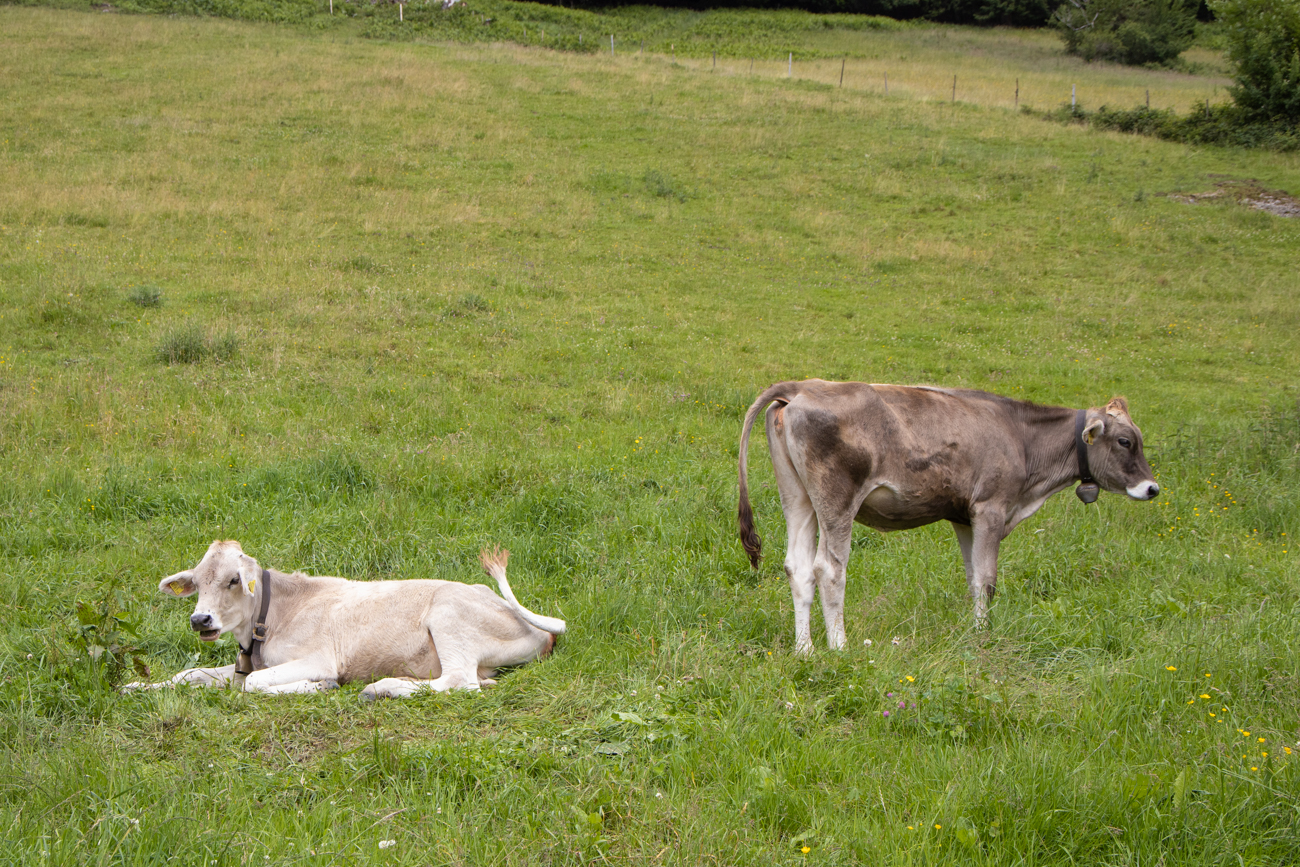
1144,491
200,622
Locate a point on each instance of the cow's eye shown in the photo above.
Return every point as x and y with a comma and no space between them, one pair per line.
234,581
1124,442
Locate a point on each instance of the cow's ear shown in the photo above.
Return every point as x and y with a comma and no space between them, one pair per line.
1117,407
1095,427
180,584
249,573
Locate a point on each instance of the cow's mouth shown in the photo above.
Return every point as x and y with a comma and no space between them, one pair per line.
210,634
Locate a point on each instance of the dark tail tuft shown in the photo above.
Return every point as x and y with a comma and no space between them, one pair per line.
751,540
781,391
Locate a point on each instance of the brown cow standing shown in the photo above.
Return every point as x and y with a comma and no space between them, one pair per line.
895,457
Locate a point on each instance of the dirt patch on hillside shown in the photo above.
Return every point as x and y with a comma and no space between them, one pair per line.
1249,193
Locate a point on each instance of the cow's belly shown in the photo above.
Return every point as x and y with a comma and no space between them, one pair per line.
887,509
393,654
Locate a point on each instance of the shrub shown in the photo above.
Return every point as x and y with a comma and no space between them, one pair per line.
662,186
1151,32
1221,125
274,11
1263,43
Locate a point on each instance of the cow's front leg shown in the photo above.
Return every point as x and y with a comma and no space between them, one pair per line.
982,568
299,687
966,541
192,676
293,677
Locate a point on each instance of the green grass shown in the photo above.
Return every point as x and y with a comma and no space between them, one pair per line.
501,295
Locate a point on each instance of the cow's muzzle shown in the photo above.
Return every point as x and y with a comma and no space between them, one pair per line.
204,626
1143,491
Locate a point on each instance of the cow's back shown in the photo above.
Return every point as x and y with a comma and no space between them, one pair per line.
911,455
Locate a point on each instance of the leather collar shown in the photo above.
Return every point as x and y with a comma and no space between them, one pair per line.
1088,489
245,665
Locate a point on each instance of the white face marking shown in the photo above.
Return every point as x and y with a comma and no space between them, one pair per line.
1143,490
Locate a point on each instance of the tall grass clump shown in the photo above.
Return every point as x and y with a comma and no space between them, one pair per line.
145,296
190,344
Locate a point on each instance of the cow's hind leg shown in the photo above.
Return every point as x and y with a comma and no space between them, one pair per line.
401,687
456,656
831,572
801,533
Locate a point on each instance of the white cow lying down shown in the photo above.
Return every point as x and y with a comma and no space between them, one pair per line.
305,633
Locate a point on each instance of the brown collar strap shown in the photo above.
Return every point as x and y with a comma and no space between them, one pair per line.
244,666
1088,489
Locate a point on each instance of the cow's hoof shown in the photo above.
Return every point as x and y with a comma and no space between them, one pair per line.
370,693
326,685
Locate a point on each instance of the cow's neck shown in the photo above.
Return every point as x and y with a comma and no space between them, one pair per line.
1053,460
251,634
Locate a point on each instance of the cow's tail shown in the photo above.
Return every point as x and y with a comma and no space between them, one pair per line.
494,562
782,392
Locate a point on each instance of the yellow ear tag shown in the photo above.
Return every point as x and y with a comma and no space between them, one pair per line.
177,588
252,584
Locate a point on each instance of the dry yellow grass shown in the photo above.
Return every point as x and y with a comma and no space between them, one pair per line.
920,64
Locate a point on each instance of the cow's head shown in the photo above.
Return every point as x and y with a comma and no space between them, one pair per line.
226,581
1115,452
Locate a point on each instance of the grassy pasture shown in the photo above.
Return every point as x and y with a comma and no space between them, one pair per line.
368,306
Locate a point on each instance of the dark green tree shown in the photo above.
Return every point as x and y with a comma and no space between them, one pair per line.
1263,39
1135,32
